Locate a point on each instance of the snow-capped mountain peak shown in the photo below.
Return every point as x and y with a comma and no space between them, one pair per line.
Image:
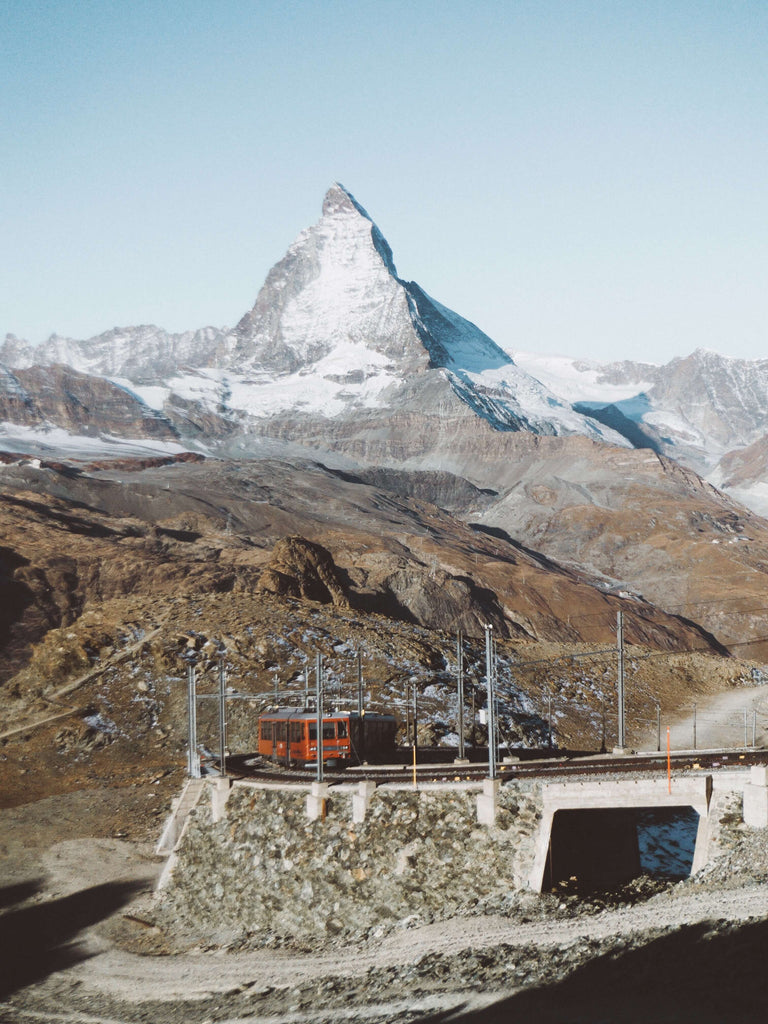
334,331
336,285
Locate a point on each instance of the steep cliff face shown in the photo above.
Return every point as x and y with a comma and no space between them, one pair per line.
338,333
335,291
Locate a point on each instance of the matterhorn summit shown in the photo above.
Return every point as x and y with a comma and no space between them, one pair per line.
337,290
334,294
334,330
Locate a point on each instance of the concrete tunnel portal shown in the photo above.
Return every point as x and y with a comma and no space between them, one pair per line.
598,849
600,835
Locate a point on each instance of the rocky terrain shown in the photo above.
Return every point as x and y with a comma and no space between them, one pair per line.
686,951
106,566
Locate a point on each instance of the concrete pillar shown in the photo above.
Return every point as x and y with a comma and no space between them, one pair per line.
361,799
316,799
756,798
220,790
703,836
487,802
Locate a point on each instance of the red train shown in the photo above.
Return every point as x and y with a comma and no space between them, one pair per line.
289,736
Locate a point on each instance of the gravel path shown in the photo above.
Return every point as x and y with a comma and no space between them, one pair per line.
127,976
720,721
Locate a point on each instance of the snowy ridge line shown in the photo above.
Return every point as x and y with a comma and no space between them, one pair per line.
333,330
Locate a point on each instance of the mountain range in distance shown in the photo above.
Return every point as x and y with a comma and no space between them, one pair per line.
335,333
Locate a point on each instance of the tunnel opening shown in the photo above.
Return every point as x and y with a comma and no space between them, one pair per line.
596,850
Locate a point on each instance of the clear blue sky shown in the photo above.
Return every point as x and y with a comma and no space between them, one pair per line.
588,178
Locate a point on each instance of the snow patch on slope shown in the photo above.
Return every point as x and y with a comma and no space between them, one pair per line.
57,442
578,380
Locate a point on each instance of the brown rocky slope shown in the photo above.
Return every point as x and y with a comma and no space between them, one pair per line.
106,571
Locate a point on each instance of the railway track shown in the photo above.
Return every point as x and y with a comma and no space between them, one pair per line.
249,766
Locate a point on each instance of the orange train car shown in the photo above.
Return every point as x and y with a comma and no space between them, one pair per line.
289,737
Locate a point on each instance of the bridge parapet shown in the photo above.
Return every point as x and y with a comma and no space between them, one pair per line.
694,791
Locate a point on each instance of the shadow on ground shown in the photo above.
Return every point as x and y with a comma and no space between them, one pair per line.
38,939
696,975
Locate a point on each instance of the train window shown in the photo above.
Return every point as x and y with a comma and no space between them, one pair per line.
266,731
342,727
297,728
329,732
312,731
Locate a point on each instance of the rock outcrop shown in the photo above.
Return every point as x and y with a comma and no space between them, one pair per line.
299,568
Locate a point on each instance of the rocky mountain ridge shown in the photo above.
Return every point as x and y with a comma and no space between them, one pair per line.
335,332
703,410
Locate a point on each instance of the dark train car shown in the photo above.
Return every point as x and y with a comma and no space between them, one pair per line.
289,736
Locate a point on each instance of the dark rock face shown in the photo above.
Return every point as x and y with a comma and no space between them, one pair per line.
77,402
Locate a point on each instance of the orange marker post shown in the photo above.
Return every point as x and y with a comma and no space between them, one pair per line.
669,764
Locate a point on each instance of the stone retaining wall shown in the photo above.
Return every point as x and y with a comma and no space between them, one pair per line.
264,872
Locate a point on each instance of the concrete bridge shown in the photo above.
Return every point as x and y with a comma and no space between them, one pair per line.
287,856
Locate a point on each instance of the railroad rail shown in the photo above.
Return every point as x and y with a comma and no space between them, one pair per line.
251,766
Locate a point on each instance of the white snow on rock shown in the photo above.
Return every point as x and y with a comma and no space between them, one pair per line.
578,380
336,325
333,331
55,441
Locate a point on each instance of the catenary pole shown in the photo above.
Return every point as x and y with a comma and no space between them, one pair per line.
360,707
460,681
490,677
319,715
415,718
658,726
620,646
193,759
222,713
